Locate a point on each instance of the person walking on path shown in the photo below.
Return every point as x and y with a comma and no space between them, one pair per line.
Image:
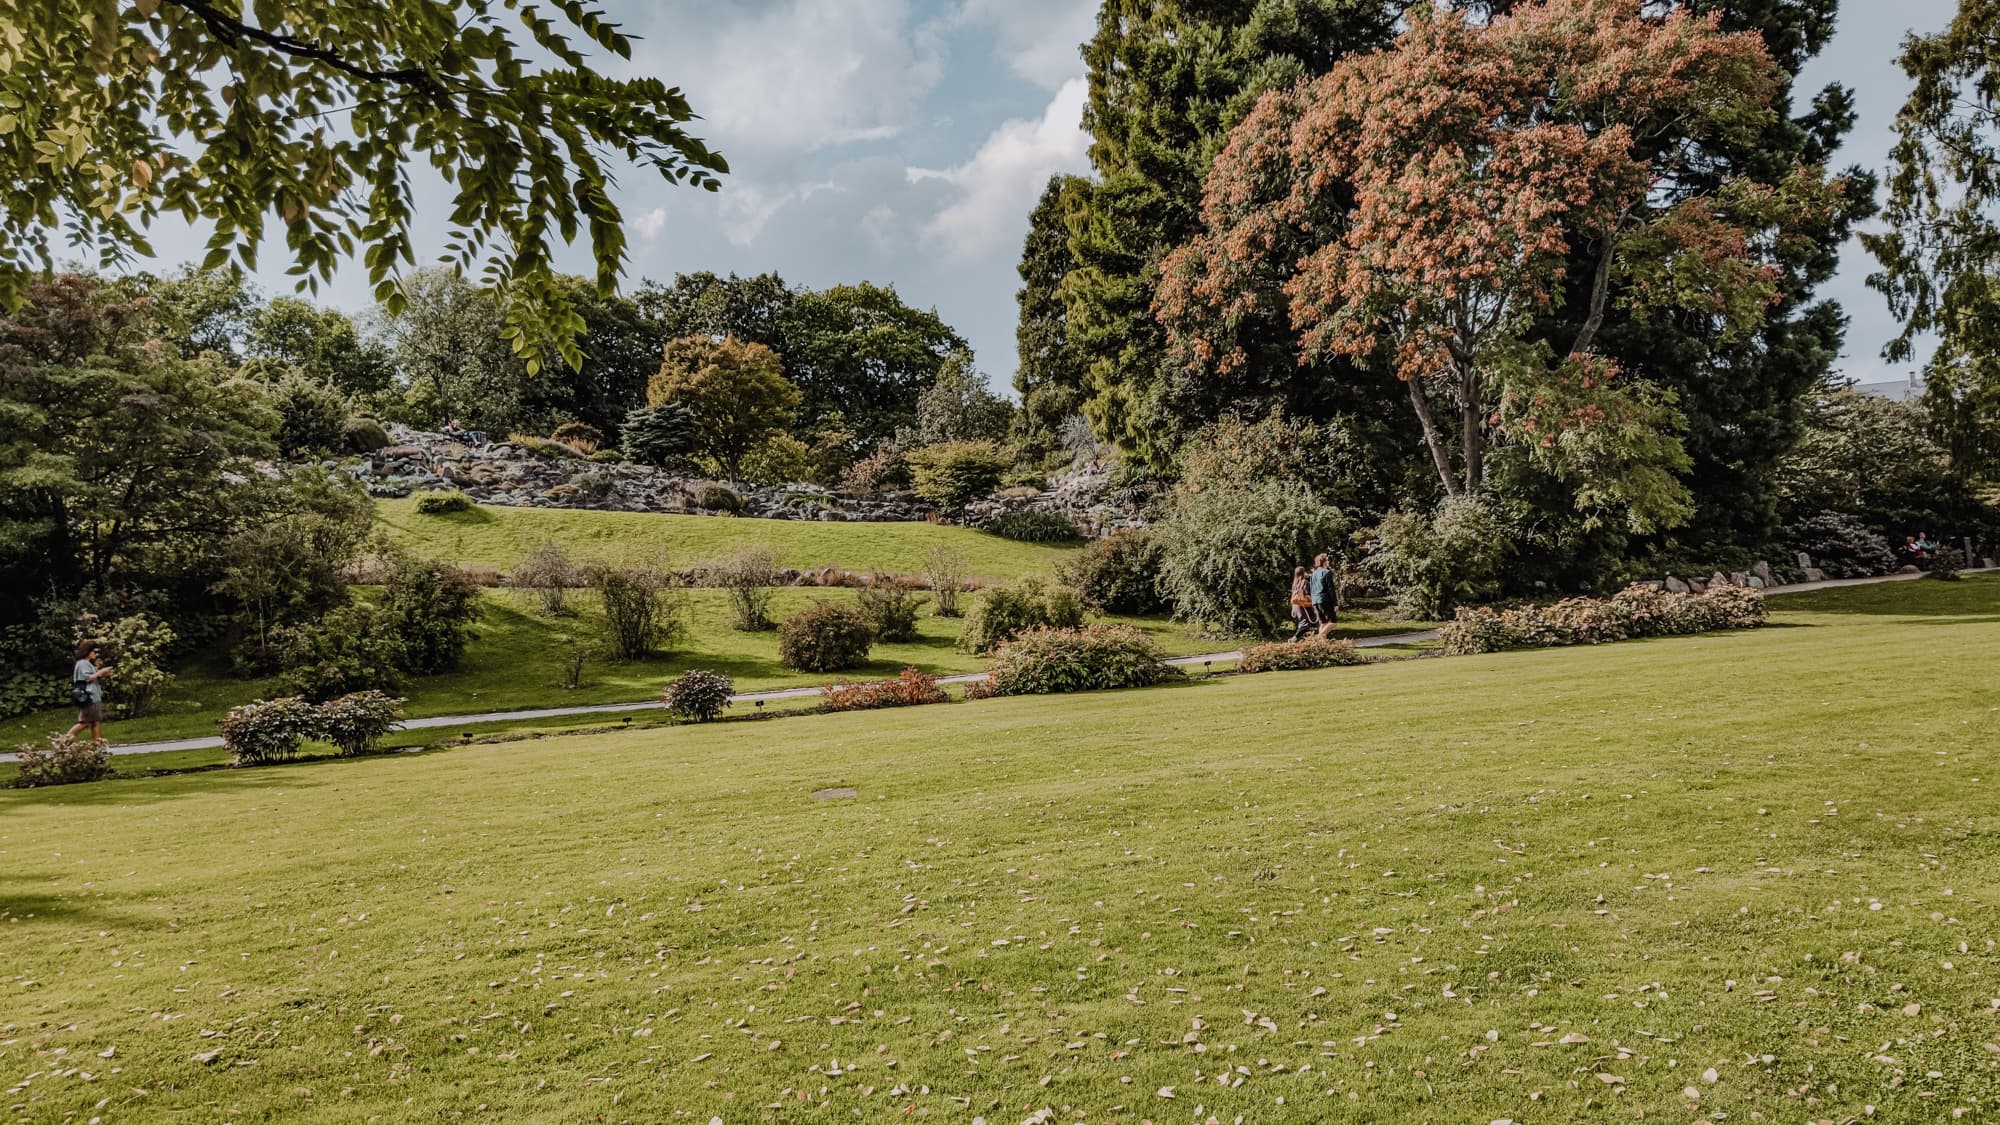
1303,621
1321,588
87,692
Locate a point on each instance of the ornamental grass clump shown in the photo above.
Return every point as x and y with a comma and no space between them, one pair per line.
1317,652
911,689
355,722
1092,658
697,695
63,761
268,730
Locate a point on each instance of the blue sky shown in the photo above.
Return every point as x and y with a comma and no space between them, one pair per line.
904,142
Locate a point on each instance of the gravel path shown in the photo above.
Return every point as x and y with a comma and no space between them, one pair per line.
434,721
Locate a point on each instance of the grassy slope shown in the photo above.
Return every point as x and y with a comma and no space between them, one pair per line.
515,663
1769,855
498,537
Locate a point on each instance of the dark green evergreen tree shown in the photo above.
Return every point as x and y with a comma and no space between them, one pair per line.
1051,371
1168,80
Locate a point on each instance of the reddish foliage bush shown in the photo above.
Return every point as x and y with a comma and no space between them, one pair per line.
911,689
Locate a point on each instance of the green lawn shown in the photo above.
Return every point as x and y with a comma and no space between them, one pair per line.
515,663
499,537
1727,878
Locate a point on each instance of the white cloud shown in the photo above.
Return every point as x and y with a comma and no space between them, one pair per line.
1039,39
998,186
651,224
796,75
747,208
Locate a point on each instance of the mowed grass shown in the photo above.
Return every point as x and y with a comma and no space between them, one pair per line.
1749,874
515,662
500,537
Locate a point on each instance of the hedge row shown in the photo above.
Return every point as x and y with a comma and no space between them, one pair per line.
1637,611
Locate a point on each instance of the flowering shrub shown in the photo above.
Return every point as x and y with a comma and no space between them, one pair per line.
355,721
825,637
63,761
1092,658
697,696
911,689
1638,611
1317,652
268,729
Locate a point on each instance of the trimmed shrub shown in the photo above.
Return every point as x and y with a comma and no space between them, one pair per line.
1946,562
825,637
363,435
885,470
953,474
891,607
944,572
748,579
443,502
580,436
548,574
1639,611
268,730
1227,553
1119,573
1093,658
430,606
697,696
356,721
1008,611
718,498
641,614
347,650
62,761
1314,652
911,689
1032,526
1841,545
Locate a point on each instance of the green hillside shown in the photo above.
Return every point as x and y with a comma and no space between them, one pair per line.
1741,874
498,537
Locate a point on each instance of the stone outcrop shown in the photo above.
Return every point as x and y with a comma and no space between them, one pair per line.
511,476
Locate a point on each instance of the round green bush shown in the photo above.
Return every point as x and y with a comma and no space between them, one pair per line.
1093,658
1035,527
443,502
363,435
718,498
1120,573
825,637
1005,611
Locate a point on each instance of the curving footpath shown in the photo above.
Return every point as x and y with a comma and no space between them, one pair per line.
434,721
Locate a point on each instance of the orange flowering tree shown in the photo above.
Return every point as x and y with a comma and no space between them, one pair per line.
1420,208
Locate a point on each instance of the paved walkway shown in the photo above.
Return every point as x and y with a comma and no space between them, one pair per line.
434,721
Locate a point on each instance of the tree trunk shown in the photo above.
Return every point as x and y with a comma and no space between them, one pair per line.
1472,416
1600,292
1440,453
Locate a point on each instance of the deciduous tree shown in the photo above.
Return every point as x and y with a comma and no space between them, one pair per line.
737,393
1941,256
1420,207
